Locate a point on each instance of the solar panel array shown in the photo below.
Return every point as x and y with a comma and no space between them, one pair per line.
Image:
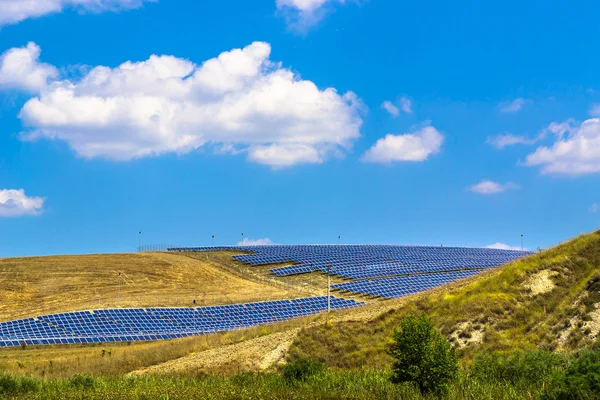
369,261
386,271
400,286
132,324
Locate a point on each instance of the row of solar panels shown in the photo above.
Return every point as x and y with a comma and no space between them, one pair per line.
400,286
157,323
368,261
373,271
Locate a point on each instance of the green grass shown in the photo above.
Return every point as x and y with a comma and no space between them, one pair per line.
497,303
326,385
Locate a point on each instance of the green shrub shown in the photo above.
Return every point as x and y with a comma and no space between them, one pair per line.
82,381
423,356
580,380
301,369
13,386
530,367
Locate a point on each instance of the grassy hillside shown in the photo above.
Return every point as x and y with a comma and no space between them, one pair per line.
549,300
38,285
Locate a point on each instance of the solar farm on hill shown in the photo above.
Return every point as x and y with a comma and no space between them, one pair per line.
482,300
376,271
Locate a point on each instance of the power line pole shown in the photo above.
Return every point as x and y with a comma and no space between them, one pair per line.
328,288
521,242
242,238
139,241
119,291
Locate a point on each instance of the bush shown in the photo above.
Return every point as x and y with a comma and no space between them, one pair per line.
531,367
580,380
13,386
423,356
82,381
301,369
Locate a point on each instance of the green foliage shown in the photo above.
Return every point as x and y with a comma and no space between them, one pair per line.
423,356
580,380
82,381
529,367
301,369
14,386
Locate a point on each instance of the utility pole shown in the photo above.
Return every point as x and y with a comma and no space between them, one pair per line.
521,242
328,288
311,285
242,238
139,241
119,292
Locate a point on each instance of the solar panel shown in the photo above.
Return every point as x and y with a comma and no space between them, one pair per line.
134,324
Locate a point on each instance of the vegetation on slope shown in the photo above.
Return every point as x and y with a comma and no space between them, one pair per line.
504,310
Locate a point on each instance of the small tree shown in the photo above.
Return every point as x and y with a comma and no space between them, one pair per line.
423,356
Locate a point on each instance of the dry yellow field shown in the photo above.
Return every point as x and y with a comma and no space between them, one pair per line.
40,285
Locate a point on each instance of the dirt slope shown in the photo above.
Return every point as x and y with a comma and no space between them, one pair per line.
254,354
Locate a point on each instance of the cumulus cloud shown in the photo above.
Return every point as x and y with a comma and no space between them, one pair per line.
491,187
415,146
508,139
390,108
502,246
21,69
512,106
595,110
14,11
576,150
302,14
255,242
14,203
240,101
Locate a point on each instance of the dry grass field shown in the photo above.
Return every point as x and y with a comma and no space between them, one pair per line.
40,285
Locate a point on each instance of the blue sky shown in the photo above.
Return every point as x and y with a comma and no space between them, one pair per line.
296,121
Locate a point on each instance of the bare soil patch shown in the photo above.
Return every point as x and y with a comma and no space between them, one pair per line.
541,282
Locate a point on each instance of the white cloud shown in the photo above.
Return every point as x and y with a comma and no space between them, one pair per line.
240,100
415,146
394,111
406,105
14,11
576,150
257,242
301,14
509,139
595,110
20,69
559,129
595,208
284,155
14,203
502,246
491,187
512,106
390,108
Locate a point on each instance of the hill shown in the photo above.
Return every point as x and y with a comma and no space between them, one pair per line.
39,285
548,300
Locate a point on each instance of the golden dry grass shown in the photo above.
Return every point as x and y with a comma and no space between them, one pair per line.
40,285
